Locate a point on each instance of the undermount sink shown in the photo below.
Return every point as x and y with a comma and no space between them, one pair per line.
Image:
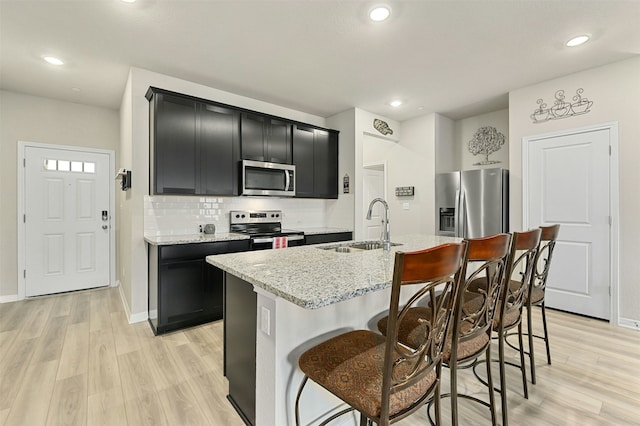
357,246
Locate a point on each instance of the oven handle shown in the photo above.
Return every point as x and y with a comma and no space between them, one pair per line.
270,239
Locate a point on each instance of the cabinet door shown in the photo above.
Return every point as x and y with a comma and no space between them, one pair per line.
252,137
325,156
278,141
303,141
219,142
182,293
176,150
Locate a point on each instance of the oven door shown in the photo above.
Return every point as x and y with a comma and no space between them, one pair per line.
260,178
266,243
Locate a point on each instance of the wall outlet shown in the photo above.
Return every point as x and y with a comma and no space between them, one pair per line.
405,206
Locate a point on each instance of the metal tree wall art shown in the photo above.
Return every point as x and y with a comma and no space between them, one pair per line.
561,108
486,140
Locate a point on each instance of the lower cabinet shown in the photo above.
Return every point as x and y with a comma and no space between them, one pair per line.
328,238
184,290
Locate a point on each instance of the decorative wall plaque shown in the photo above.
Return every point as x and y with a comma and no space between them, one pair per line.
561,108
382,126
486,140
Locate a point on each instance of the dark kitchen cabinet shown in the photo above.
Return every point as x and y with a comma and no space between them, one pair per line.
265,139
195,146
219,150
332,237
174,147
184,290
315,155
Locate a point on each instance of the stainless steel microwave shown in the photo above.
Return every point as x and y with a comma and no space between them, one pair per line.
262,178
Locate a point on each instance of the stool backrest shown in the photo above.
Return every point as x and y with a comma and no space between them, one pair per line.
432,274
545,251
524,250
486,263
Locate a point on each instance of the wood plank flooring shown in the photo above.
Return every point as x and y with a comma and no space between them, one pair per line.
73,359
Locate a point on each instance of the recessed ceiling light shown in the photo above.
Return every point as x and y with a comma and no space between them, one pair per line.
53,60
395,103
76,89
379,13
129,1
577,41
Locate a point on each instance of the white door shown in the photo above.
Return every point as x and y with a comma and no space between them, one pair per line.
569,183
373,186
67,220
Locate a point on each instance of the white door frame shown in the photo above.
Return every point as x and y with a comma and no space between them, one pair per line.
22,145
614,198
365,203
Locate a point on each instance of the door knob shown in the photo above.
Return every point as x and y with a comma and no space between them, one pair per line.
104,227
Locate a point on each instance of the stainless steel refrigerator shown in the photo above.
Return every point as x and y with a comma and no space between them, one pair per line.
472,203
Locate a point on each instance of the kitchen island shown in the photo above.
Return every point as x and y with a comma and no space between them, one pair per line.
279,303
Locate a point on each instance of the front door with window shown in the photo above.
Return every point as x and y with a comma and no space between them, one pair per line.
67,220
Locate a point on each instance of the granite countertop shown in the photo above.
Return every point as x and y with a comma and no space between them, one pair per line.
166,240
311,277
320,230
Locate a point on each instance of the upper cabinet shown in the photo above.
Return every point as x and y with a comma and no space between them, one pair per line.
315,155
265,139
196,147
174,150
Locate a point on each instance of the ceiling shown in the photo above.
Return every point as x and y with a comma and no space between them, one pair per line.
459,58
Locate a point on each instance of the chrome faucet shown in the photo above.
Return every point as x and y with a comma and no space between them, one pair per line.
385,237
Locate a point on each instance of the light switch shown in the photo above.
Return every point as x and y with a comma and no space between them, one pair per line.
265,321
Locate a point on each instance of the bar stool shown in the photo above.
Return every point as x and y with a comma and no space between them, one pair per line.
537,291
470,335
379,376
524,249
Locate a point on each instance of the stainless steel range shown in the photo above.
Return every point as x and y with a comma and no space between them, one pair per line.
263,227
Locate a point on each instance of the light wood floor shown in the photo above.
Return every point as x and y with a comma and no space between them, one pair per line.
74,359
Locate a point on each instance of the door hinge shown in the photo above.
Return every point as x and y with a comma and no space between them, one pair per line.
24,162
610,221
24,273
24,218
609,150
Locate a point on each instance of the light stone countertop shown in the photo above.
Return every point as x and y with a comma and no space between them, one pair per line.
319,230
311,277
166,240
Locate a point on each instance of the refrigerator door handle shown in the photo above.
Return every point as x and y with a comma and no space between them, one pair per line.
462,215
456,221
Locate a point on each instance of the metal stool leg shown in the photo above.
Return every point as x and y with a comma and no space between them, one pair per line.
522,366
532,359
546,335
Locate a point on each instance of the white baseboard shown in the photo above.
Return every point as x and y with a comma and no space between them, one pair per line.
629,323
9,298
131,318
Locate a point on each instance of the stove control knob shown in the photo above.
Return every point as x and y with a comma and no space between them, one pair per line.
237,216
243,216
277,214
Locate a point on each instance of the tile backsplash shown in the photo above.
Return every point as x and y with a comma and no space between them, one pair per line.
180,215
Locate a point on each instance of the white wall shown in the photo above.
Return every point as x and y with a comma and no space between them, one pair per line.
135,146
36,119
363,131
615,91
409,161
466,128
445,157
